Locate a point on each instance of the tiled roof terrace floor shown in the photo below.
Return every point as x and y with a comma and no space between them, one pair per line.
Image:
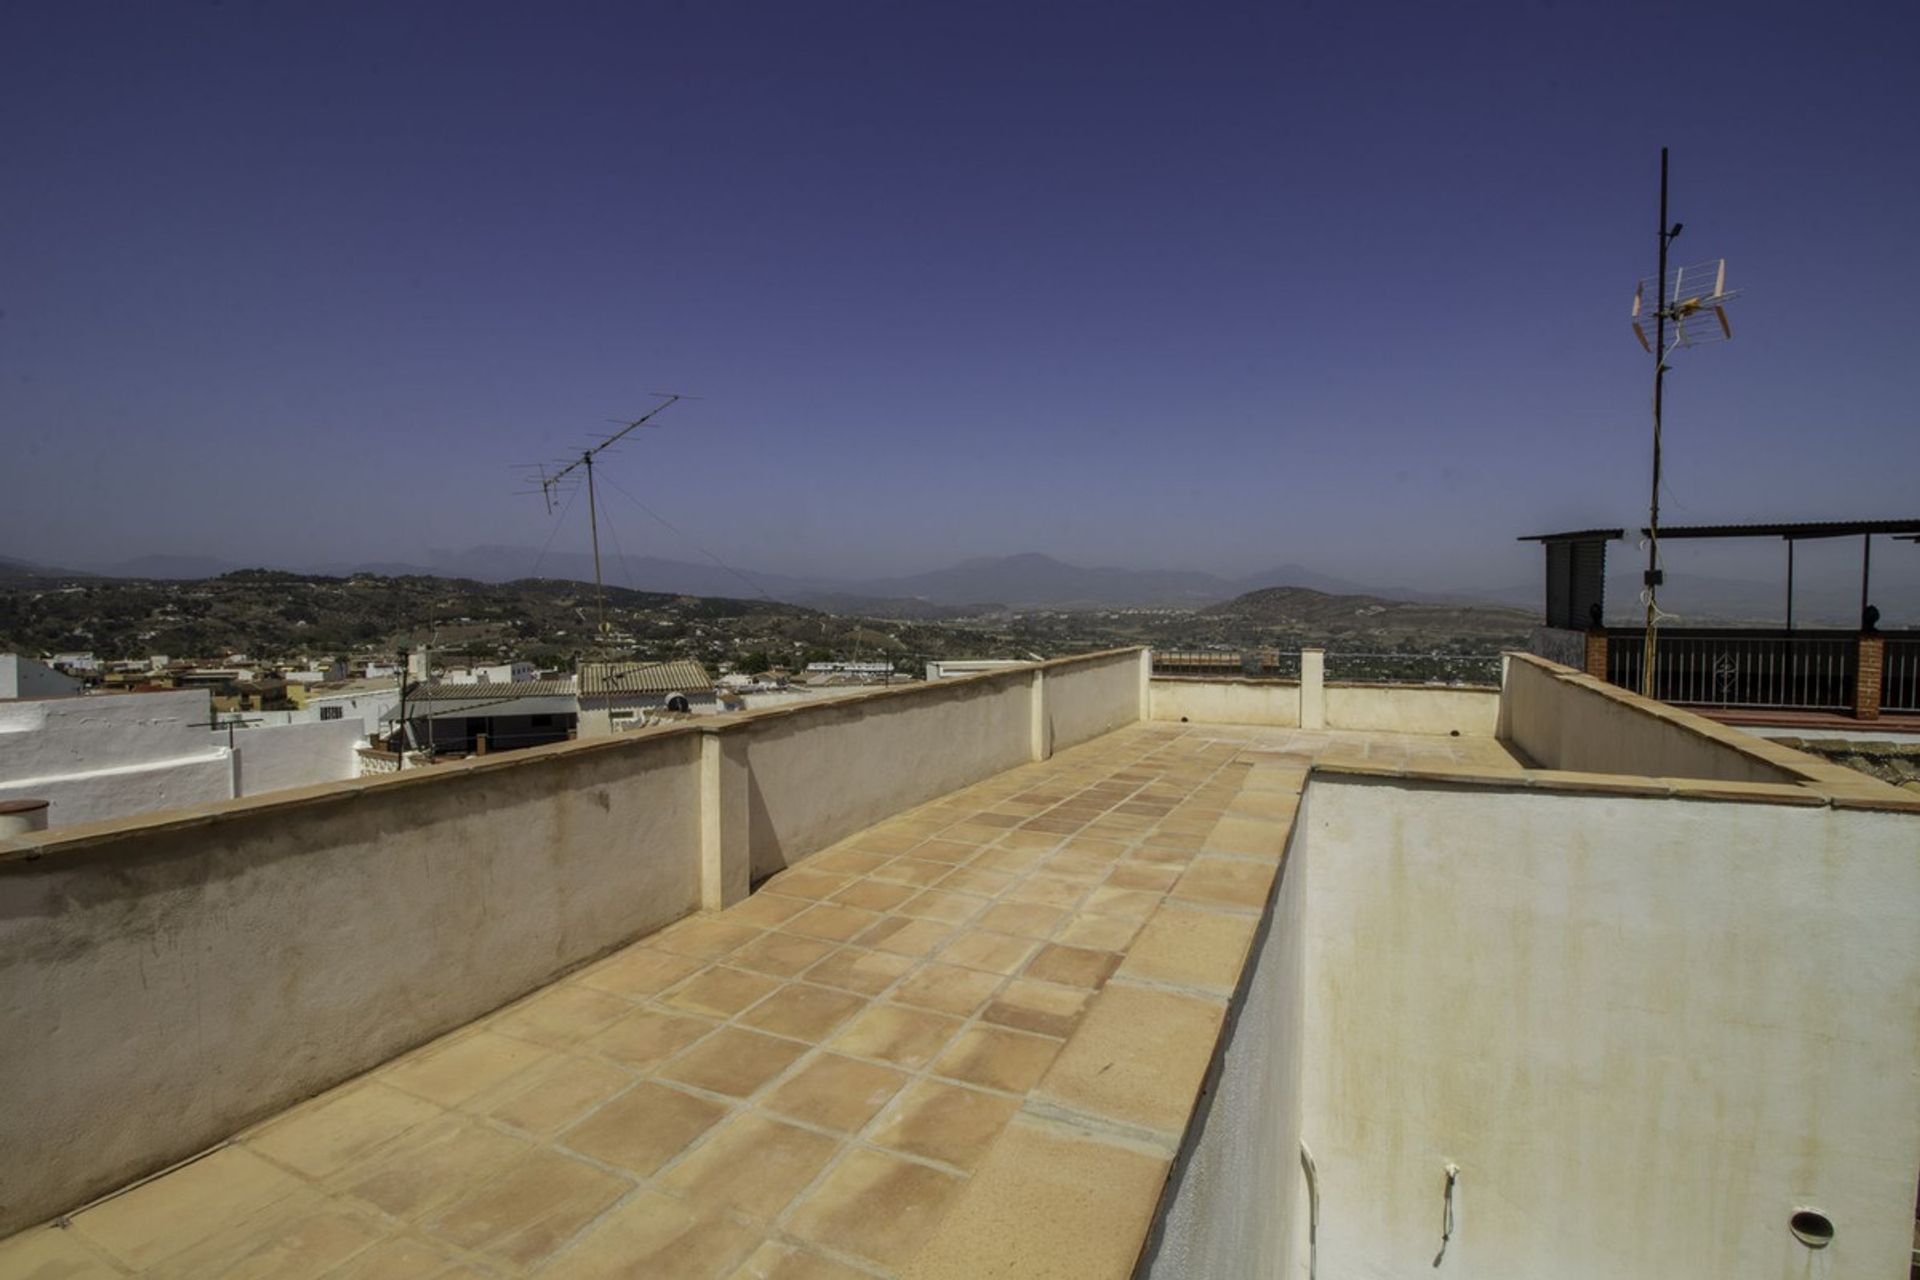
964,1041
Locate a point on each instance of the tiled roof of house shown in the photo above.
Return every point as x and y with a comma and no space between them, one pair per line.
611,679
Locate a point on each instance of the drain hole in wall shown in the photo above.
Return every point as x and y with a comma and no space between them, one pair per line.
1183,719
1811,1228
1454,734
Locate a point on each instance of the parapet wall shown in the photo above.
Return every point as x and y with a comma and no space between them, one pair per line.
1560,718
169,978
1388,708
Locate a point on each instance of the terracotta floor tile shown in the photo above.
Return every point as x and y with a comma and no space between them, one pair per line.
341,1128
721,991
53,1254
766,910
531,1209
1024,918
553,1095
1139,1057
1141,875
975,879
833,922
912,871
947,988
909,937
868,972
875,895
906,1037
800,882
938,904
774,1261
1026,839
1010,860
998,1058
944,1122
640,972
951,852
803,1011
876,1207
1098,933
430,1165
1047,1203
1128,904
704,937
299,1238
751,1164
781,954
1037,1006
1072,966
453,1072
656,1237
1226,882
835,1092
1184,947
404,1258
993,952
561,1016
848,861
644,1128
733,1062
645,1038
1049,891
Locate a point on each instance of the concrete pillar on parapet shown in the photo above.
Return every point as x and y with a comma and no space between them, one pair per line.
1313,688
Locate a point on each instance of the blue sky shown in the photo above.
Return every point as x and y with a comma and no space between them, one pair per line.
1213,287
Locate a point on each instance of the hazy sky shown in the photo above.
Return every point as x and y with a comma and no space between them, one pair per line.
1206,286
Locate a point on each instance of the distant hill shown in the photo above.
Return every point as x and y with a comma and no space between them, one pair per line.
1305,611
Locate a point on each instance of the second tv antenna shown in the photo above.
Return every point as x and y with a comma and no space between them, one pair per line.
554,481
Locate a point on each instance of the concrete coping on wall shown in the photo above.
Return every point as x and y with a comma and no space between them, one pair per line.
81,836
1830,784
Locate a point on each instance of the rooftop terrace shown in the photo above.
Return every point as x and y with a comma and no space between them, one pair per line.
1008,1028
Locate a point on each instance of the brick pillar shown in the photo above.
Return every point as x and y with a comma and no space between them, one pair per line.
1597,654
1868,671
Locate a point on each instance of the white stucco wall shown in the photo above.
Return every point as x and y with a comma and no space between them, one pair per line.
165,982
1563,720
1271,702
1413,709
273,757
1647,1030
1086,697
113,755
1238,1204
819,773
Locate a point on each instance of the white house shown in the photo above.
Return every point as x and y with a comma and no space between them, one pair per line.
24,678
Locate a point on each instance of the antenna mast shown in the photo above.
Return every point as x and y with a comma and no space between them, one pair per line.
1684,297
549,483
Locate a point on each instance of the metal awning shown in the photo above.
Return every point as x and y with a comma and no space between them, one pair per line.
1797,530
1576,535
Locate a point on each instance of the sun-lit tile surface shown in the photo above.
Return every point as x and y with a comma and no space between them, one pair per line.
968,1035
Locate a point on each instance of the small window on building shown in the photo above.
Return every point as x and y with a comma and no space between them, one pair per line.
540,722
331,713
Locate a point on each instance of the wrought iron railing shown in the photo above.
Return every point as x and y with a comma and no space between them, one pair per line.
1900,674
1772,671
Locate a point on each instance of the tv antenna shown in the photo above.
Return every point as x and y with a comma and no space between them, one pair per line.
1693,300
555,481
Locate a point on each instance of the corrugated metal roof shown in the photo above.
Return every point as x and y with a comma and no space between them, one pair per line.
611,679
1797,529
490,692
1576,535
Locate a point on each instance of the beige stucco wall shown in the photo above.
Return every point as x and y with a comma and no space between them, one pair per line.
1560,719
1086,697
1413,709
165,982
169,978
815,774
1647,1030
1271,702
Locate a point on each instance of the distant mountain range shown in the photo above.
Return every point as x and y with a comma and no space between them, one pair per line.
1017,582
